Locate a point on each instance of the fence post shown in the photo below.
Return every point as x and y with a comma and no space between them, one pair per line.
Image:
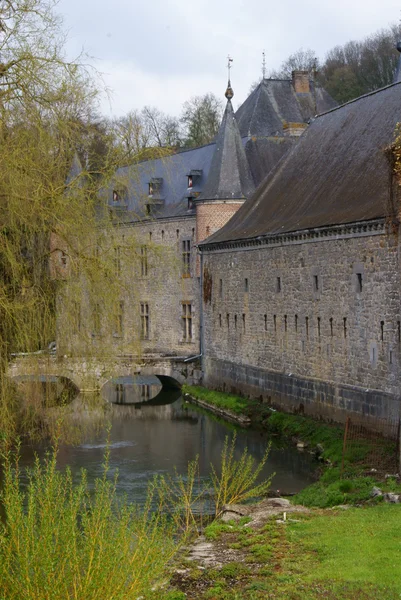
347,422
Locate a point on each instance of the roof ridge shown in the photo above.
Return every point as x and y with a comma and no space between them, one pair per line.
372,93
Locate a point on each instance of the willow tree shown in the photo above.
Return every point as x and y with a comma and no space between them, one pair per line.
46,103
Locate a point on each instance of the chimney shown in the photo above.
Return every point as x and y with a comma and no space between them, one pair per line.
300,81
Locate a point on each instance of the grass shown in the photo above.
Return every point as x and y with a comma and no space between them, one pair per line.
358,545
352,554
236,404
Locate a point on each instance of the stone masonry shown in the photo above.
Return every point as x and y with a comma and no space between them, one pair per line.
312,325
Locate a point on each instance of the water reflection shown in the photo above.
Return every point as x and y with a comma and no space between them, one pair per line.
159,436
131,390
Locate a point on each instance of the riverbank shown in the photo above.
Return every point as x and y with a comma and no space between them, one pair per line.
338,482
300,551
340,554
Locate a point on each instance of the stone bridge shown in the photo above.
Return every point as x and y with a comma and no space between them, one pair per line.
89,374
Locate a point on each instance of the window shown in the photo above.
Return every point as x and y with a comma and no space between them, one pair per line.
307,326
119,320
265,318
331,327
316,283
144,261
296,323
318,327
278,284
116,197
162,234
219,320
399,331
228,320
117,261
220,289
96,319
382,330
243,322
235,321
144,321
246,285
120,393
187,321
359,283
275,323
63,258
345,326
191,205
190,181
285,323
150,189
145,391
186,258
207,230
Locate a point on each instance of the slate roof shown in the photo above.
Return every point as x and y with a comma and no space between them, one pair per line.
274,102
171,200
230,176
337,173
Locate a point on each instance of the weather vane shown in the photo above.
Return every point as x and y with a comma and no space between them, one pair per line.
229,61
264,64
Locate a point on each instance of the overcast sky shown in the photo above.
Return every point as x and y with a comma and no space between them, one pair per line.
162,52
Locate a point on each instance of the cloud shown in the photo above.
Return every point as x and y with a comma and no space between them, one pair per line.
162,53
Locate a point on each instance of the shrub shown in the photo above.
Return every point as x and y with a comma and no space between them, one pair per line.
60,542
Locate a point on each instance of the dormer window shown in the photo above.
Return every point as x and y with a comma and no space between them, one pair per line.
155,186
190,203
190,181
120,195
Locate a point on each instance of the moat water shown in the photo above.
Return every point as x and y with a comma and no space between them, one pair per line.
153,432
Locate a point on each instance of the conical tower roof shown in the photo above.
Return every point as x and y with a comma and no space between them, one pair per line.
229,176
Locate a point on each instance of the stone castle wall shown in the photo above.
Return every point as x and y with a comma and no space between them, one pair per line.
164,287
311,323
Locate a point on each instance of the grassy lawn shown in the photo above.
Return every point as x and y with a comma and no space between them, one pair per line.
359,545
350,554
236,404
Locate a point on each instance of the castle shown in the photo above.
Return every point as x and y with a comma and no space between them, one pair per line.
286,284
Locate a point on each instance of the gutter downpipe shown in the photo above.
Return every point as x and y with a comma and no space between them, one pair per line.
201,324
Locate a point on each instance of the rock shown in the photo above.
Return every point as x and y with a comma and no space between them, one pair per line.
302,445
319,449
276,502
341,507
392,498
238,509
376,492
395,476
229,515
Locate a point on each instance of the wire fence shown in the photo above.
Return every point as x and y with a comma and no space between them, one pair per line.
378,449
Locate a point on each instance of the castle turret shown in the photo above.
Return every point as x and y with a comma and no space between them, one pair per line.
229,182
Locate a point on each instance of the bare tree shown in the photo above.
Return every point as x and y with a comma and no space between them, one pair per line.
201,117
